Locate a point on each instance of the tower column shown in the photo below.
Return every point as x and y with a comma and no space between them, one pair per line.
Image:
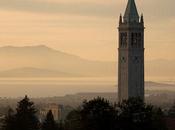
131,54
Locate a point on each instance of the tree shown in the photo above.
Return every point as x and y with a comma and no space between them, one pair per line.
136,115
25,117
73,120
131,114
9,121
97,114
61,125
49,123
171,112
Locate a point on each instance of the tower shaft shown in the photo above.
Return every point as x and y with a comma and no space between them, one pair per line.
131,54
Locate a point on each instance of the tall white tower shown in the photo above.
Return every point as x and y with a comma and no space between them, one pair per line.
131,54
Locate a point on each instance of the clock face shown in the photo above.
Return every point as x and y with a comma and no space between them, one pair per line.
136,59
123,39
123,59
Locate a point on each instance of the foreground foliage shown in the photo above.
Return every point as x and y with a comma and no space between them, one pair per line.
97,114
134,114
25,117
49,123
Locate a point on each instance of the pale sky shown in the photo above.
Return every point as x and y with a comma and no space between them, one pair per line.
87,28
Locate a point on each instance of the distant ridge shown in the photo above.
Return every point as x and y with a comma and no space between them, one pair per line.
34,72
27,49
18,60
57,63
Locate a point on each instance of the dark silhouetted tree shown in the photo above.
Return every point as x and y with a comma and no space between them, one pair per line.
49,123
9,121
25,117
61,125
97,114
73,120
136,115
171,112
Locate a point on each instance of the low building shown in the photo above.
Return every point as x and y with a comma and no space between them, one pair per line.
56,111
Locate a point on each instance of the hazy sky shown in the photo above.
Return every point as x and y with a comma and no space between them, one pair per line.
87,28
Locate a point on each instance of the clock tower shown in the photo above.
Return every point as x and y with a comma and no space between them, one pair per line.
131,54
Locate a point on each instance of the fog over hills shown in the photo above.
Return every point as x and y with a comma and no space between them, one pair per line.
34,61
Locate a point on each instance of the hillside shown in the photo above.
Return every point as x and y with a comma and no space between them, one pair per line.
13,60
45,58
34,72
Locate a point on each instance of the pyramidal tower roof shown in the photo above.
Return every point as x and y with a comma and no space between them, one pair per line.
131,14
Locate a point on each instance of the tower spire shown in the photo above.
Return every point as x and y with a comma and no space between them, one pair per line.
131,14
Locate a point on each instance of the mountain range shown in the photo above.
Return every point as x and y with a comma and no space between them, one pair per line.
31,61
42,61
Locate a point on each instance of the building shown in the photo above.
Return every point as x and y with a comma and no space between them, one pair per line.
56,111
131,54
